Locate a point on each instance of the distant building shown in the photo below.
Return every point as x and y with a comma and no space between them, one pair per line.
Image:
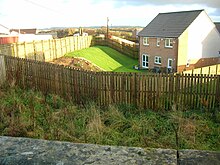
135,32
78,34
8,39
24,31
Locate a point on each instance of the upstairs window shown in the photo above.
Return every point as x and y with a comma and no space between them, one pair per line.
145,41
157,60
158,42
168,42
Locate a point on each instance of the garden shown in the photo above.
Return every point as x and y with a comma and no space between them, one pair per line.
106,58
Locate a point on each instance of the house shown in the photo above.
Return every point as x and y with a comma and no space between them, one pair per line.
24,31
6,37
177,41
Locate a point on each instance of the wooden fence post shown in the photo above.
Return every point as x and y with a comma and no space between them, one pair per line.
43,54
177,90
218,90
35,53
25,54
2,70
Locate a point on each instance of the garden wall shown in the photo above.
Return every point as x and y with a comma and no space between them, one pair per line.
28,151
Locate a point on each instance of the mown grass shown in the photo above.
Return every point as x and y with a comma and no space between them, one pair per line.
107,58
32,114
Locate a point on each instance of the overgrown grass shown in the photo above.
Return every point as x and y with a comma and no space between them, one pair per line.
107,58
31,114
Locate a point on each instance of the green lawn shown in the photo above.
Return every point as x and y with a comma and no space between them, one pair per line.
107,58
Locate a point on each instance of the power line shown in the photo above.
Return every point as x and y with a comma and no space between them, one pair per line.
42,6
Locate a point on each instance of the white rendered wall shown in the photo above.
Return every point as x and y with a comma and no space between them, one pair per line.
203,38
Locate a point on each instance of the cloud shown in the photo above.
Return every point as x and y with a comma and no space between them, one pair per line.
209,3
47,13
212,7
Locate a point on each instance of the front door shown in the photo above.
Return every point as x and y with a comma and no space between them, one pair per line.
169,65
145,61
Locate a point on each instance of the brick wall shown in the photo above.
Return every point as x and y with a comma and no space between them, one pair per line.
153,50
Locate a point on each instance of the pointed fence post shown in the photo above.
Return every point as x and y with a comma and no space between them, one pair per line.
218,90
2,70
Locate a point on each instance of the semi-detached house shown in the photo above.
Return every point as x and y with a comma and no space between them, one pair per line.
178,41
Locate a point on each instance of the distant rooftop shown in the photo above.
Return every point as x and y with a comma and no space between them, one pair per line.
24,31
171,24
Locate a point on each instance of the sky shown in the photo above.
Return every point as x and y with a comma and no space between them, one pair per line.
84,13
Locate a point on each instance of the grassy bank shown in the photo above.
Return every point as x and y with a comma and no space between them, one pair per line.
32,114
107,58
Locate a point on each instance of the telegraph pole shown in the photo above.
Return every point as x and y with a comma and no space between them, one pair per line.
107,27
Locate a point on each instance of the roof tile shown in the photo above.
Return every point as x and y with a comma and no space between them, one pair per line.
169,24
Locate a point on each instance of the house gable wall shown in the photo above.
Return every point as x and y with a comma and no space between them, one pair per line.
182,51
204,39
199,41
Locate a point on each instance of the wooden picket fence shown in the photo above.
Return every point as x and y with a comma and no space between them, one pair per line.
2,70
49,50
46,50
131,50
149,91
212,69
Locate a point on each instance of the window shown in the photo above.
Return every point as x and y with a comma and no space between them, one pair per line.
168,42
157,60
170,63
158,41
145,61
145,41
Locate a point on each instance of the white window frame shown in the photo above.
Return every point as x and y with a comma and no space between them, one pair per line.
168,42
158,42
145,41
157,60
145,60
168,63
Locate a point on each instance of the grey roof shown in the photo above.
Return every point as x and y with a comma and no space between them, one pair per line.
170,24
217,24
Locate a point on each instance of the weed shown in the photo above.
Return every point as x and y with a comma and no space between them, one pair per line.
31,114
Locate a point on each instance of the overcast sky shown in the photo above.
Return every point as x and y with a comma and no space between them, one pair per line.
75,13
